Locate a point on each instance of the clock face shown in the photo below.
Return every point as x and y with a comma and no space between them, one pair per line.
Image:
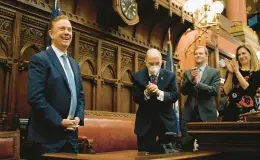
129,8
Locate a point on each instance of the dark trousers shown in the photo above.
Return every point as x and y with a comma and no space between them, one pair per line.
68,146
151,143
187,141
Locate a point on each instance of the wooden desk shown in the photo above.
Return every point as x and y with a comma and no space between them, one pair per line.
128,155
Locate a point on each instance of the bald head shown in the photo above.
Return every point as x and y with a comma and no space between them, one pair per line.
153,53
153,61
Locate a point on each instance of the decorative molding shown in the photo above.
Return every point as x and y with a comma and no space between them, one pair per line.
7,39
108,55
126,61
90,63
6,25
31,33
226,136
35,22
126,72
5,12
173,7
109,114
224,126
110,66
141,63
37,4
87,49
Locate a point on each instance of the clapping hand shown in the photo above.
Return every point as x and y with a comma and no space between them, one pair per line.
229,65
194,73
235,65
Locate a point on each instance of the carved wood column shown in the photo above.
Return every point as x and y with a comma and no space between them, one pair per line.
76,45
135,70
7,68
118,80
13,84
98,79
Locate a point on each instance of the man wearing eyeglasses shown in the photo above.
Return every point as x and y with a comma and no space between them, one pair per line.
201,86
154,90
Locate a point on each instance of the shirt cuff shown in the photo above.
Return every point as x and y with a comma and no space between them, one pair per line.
146,96
161,96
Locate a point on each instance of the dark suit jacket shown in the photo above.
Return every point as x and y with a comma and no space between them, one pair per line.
49,96
154,108
205,92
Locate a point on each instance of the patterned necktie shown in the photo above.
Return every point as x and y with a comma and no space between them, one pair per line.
72,86
153,79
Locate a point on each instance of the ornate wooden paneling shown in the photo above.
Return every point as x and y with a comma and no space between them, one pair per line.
141,63
108,57
89,91
33,31
227,136
108,98
126,100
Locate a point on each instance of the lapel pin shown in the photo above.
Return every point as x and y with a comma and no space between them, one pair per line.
161,78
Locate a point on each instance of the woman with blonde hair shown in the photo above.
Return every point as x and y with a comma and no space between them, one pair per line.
241,83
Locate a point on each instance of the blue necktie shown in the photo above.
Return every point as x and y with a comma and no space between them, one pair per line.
72,86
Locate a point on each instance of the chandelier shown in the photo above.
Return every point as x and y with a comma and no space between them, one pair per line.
206,14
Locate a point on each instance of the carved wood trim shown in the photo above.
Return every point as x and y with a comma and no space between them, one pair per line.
173,8
28,45
37,4
109,66
227,127
109,114
6,46
82,23
125,71
88,60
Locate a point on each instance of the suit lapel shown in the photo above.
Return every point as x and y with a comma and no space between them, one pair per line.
145,78
160,80
204,75
55,61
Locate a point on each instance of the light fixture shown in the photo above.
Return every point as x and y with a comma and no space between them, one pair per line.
206,14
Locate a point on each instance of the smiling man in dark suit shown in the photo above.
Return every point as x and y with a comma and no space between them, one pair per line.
201,85
55,94
154,90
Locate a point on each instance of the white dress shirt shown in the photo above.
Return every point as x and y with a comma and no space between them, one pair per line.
59,54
